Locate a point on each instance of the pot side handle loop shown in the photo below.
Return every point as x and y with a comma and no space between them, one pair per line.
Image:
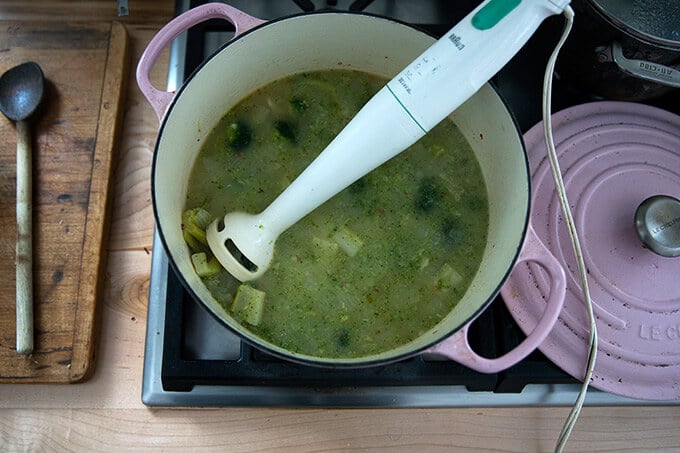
457,347
159,99
646,70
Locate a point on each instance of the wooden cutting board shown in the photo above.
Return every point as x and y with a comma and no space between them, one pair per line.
74,145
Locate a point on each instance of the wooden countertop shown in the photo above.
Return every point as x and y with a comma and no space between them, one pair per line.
106,413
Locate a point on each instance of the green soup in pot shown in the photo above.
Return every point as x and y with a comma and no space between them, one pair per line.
373,268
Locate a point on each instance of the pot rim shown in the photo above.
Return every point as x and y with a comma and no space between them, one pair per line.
320,362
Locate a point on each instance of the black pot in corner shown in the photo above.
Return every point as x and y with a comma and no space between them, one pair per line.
623,50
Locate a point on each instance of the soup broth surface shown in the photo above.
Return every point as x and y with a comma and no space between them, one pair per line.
374,267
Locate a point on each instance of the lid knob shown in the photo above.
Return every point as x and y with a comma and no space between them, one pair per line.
657,221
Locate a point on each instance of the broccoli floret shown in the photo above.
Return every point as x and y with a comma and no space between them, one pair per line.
285,130
429,193
297,104
238,136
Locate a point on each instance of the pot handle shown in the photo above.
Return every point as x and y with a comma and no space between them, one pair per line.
159,99
646,70
457,347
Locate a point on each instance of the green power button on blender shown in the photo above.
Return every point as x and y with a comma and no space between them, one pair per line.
492,13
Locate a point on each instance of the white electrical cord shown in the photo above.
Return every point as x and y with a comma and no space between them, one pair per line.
566,212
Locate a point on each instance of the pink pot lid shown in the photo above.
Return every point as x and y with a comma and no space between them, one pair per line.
613,156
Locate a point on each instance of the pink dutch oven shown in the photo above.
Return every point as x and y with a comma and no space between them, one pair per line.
262,52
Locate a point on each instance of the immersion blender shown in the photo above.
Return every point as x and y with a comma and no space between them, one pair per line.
424,93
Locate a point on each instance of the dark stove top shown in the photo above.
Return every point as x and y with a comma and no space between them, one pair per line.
192,360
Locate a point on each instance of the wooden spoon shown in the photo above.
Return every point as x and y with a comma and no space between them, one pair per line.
21,92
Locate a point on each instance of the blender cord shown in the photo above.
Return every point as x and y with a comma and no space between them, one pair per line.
570,422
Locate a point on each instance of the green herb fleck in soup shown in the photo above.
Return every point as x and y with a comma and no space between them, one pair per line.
373,268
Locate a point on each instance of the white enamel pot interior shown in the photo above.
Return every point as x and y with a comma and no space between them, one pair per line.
328,41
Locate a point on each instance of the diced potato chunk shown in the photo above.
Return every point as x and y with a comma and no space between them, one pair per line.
248,304
200,217
448,277
193,243
205,267
324,248
348,241
194,222
436,149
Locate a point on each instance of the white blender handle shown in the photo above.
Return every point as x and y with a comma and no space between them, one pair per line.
418,98
467,56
